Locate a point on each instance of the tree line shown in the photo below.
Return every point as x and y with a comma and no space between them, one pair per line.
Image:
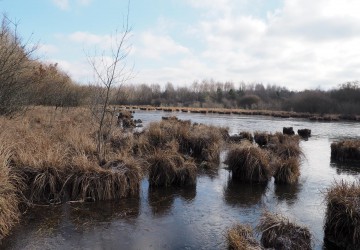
26,81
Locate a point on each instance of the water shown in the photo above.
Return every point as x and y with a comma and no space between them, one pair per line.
196,217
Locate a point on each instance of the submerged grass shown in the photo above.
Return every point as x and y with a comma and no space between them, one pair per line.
241,237
279,233
342,218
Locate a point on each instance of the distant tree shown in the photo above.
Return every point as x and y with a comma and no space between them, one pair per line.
248,101
15,69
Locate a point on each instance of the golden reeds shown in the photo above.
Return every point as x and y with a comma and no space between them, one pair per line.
241,237
279,233
342,219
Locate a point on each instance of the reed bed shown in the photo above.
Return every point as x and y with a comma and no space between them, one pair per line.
346,151
241,237
280,233
169,168
249,163
342,218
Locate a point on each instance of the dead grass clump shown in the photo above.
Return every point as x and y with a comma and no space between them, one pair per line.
285,146
160,133
249,163
342,219
247,135
279,233
169,168
44,184
288,131
117,179
204,143
287,171
9,199
241,237
304,133
346,150
261,138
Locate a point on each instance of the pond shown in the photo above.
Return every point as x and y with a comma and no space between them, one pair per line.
196,217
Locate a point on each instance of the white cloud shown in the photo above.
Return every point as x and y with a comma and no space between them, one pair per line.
84,2
62,4
157,46
47,49
305,43
65,4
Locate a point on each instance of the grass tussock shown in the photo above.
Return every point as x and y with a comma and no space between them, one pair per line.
249,163
346,150
342,218
9,198
201,142
287,171
261,138
241,237
279,233
286,157
169,168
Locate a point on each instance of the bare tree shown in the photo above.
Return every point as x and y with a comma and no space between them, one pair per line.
15,69
111,71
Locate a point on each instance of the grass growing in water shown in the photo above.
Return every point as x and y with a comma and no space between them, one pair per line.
249,163
347,150
279,233
342,219
241,237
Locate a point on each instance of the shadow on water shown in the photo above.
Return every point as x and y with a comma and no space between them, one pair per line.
237,193
288,192
349,168
86,215
161,199
42,226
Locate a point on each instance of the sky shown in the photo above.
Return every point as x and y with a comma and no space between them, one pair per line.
299,44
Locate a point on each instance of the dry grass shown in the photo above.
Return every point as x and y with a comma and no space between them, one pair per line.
9,199
55,153
241,237
169,168
201,142
279,233
346,150
342,219
287,171
249,163
261,138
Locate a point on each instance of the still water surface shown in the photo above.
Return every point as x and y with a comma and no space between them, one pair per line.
196,217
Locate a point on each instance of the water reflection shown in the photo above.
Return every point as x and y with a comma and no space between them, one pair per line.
86,215
162,199
241,194
288,192
351,168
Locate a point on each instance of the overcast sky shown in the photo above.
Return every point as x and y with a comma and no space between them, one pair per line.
294,43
